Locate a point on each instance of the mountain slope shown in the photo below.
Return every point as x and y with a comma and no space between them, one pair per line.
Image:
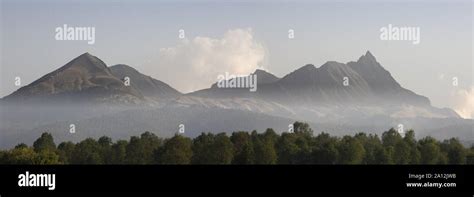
147,85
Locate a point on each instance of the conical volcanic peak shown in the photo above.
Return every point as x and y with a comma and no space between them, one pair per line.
84,77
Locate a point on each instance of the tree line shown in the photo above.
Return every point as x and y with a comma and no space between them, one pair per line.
298,147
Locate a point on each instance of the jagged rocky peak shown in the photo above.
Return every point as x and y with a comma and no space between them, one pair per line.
367,58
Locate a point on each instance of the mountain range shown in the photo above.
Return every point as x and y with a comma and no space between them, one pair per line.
335,97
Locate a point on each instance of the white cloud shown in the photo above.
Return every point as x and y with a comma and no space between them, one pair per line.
464,102
195,64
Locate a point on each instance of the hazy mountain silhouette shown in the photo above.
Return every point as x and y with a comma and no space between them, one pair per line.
367,82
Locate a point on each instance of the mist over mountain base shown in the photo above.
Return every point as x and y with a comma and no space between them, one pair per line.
23,124
86,98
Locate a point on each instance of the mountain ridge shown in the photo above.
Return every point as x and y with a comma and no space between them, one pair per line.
367,82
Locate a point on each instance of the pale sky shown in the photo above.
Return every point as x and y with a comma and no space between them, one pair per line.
240,36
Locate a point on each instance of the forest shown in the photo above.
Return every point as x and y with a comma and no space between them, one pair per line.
246,148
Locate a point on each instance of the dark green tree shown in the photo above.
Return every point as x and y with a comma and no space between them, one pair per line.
430,151
87,151
105,141
375,153
202,145
264,147
134,151
401,153
176,150
151,142
47,157
391,137
302,128
66,151
456,153
212,149
351,151
287,149
324,149
106,149
222,149
44,143
119,152
26,155
270,136
21,145
141,149
243,148
390,140
21,155
414,153
470,156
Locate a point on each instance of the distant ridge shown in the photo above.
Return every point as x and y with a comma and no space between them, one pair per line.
368,82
